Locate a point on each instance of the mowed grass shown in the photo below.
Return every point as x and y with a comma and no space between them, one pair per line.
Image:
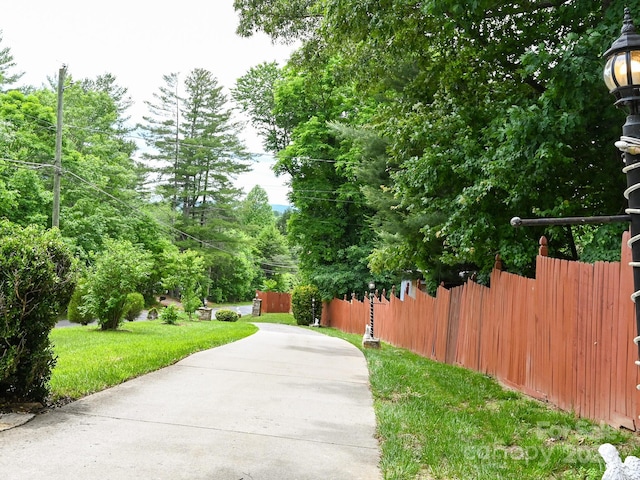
437,421
90,360
282,318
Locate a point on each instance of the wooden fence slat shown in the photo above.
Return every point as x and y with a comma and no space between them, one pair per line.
274,302
565,336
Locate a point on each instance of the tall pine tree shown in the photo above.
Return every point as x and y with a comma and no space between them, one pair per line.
196,152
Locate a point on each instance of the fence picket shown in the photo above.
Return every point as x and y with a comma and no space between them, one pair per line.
565,336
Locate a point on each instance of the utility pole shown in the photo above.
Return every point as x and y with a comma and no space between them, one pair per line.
57,168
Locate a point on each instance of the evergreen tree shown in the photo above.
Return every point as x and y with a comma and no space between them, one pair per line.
196,149
161,133
196,153
7,77
212,154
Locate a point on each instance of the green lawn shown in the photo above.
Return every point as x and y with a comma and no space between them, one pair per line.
283,318
90,360
437,421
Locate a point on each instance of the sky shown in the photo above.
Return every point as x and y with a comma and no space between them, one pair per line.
139,41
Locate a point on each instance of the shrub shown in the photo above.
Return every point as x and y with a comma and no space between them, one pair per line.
76,313
270,285
302,304
37,278
118,271
170,315
134,304
227,316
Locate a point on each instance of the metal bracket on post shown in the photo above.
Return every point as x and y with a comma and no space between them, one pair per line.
599,220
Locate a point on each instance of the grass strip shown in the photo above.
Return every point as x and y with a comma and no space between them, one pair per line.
282,318
90,360
441,422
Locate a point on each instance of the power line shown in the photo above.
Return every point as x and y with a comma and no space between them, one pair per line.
44,165
31,165
170,227
140,212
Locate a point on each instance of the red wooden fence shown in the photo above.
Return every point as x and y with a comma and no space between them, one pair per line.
565,336
274,302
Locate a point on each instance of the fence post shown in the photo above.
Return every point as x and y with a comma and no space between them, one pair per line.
543,251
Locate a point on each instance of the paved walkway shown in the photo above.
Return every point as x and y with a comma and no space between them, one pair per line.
285,403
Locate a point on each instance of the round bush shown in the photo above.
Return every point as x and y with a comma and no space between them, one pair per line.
302,304
133,306
227,316
74,309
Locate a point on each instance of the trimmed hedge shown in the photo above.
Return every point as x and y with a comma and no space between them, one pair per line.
302,304
37,278
227,316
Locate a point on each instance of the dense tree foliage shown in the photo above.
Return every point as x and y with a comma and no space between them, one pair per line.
271,250
196,153
187,275
255,212
255,93
330,222
412,131
452,118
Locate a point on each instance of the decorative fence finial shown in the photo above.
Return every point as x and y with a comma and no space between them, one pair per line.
543,251
498,263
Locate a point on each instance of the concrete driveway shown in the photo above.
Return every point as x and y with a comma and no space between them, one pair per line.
285,403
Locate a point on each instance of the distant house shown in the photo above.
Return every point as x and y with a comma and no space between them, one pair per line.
409,287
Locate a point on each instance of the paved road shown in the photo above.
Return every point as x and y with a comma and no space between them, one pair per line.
285,403
242,309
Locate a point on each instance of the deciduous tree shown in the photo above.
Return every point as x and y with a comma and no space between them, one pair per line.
255,93
119,270
186,274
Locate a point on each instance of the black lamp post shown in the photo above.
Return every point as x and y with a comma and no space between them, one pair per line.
622,76
372,287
